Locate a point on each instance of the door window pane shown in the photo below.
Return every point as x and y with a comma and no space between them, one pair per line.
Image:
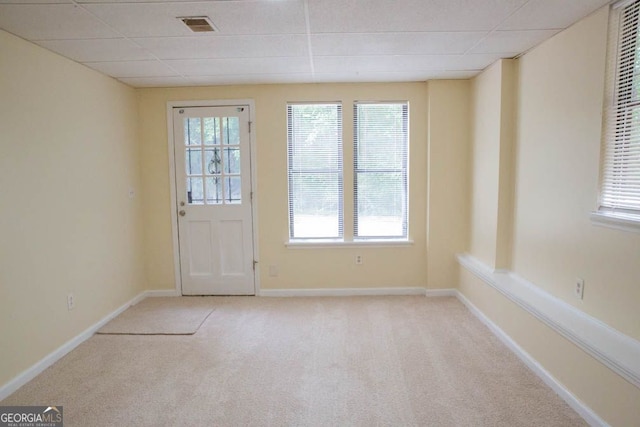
194,161
233,187
230,130
213,161
214,191
211,130
195,191
192,131
232,157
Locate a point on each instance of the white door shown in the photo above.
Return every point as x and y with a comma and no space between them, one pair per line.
213,189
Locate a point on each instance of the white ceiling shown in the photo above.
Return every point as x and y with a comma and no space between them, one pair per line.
141,43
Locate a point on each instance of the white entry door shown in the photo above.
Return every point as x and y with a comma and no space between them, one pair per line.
213,189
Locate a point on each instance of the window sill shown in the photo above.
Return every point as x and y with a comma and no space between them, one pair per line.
328,244
625,222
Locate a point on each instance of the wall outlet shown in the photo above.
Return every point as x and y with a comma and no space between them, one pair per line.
579,288
71,301
358,259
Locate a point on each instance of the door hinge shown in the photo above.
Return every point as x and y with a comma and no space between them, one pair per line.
251,196
250,127
254,264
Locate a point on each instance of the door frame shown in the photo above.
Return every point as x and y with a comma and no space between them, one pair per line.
172,176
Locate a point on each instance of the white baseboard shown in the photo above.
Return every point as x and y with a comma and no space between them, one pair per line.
585,412
30,373
340,292
441,292
162,293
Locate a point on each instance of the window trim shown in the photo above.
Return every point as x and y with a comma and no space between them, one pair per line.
290,172
623,217
404,170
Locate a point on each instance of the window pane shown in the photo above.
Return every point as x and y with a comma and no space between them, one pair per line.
214,191
213,161
381,181
381,204
194,161
192,131
212,130
195,192
231,130
233,190
232,160
315,170
315,205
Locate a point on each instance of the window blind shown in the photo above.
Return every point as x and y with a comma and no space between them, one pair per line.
315,170
381,139
620,191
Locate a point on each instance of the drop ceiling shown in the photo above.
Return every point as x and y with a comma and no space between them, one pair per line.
143,43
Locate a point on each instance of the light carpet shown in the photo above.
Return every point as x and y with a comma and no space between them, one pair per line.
161,316
350,361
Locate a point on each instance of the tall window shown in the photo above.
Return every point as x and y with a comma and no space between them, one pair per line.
315,170
381,135
620,191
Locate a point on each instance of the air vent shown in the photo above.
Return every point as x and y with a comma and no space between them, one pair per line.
198,24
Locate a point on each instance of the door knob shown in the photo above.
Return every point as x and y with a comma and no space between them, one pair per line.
182,213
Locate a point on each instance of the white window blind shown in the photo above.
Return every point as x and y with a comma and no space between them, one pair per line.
315,171
381,136
620,191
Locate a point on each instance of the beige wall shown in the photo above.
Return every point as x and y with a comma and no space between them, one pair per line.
448,181
561,87
298,268
68,156
493,103
558,97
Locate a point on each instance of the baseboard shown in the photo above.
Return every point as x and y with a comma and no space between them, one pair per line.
162,293
617,351
441,292
340,292
30,373
583,410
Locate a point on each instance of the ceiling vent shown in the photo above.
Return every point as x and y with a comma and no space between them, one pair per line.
198,24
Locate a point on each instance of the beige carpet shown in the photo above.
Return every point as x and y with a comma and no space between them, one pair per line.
359,361
161,316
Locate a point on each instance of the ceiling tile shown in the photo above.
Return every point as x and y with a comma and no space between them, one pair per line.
155,81
550,14
402,63
394,43
121,69
512,41
35,1
97,50
253,79
51,21
225,46
336,16
230,17
419,76
240,66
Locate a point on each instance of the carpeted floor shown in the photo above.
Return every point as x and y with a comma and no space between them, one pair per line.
161,316
360,361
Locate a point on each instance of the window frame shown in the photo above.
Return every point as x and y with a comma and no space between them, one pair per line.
339,170
619,107
404,170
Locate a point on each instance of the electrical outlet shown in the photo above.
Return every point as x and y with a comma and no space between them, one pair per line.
358,259
71,302
579,288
